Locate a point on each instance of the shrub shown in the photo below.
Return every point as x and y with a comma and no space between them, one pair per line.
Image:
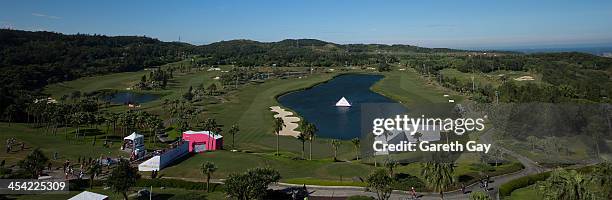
507,188
404,181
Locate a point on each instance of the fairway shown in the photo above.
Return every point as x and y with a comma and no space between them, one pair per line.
409,89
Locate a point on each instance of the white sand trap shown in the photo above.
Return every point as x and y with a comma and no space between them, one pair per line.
524,78
291,123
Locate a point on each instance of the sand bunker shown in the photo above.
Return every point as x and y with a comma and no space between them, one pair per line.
291,123
524,78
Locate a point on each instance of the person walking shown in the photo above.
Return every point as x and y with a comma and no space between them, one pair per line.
413,191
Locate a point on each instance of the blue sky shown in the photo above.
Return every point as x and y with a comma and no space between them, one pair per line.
430,23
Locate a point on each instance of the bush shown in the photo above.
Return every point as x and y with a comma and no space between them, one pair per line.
507,188
5,171
404,181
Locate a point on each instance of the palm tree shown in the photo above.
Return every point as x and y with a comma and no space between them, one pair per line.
212,89
279,124
563,184
312,133
233,131
438,176
356,144
77,120
302,138
390,164
207,169
335,143
93,172
10,112
417,136
601,177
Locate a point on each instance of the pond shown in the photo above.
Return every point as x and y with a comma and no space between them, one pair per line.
317,104
131,97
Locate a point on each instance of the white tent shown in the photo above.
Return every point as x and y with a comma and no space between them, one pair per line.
86,195
136,138
152,164
343,103
133,136
158,162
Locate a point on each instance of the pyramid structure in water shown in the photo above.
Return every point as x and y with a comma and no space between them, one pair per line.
343,103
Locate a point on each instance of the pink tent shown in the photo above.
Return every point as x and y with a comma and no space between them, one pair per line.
200,141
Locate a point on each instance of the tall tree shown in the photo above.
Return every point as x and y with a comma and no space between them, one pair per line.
93,172
302,138
380,182
122,178
601,177
279,124
312,133
34,163
335,143
438,176
564,184
233,131
252,184
208,168
356,144
390,164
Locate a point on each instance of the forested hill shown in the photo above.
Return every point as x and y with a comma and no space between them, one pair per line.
309,52
30,60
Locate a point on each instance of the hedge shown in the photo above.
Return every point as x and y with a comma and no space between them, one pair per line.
175,183
507,188
360,197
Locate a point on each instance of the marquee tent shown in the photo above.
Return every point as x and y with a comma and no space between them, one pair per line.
343,103
86,195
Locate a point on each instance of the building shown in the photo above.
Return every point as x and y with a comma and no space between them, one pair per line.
200,141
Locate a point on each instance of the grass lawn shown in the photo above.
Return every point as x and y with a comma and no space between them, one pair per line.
118,81
530,192
291,170
67,148
410,89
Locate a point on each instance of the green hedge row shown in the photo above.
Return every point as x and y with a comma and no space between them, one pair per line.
507,188
174,183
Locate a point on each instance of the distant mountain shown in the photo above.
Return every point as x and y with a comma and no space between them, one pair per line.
322,45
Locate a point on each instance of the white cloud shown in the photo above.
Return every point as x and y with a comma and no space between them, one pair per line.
45,16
